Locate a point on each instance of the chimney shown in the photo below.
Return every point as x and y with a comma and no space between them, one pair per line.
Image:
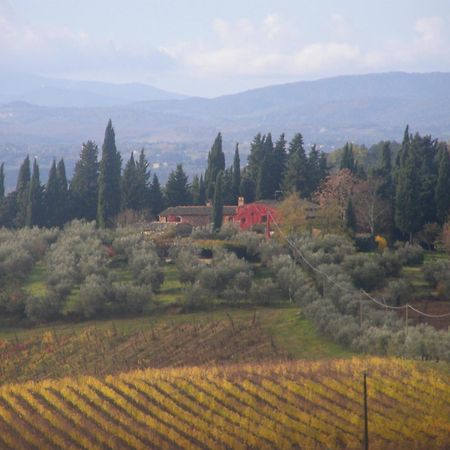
241,201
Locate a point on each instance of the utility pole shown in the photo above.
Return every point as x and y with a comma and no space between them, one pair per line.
366,422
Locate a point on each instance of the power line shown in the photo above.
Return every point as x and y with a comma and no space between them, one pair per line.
373,299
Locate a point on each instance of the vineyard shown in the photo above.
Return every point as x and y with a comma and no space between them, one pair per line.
273,405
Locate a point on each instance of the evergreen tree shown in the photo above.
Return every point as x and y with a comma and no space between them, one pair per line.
129,186
22,189
177,188
84,185
279,162
348,160
227,187
236,181
217,213
202,192
316,170
216,163
248,187
109,179
264,185
255,157
386,189
407,213
63,193
51,194
195,190
34,206
142,182
350,217
443,185
156,196
296,175
2,181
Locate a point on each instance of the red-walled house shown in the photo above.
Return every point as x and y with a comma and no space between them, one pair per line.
257,214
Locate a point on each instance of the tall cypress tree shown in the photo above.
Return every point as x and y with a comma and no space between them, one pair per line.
296,175
34,206
279,162
84,185
350,217
202,192
109,179
248,186
443,185
142,182
2,181
316,170
217,213
216,163
51,194
348,159
227,187
177,188
156,196
129,185
22,190
255,158
63,193
236,181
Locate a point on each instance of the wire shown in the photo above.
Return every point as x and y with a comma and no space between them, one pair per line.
373,299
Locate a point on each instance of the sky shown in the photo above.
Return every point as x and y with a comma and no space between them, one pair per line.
215,47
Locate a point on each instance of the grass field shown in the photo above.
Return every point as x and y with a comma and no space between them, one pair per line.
113,346
311,405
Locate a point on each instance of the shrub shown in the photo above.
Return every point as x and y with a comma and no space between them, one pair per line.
391,263
265,292
399,292
42,309
436,271
410,254
365,242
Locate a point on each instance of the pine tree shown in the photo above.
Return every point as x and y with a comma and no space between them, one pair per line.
216,163
236,181
22,190
255,157
348,159
443,185
129,186
34,206
296,174
156,196
51,194
316,170
248,186
217,213
177,188
63,193
142,182
84,185
109,179
2,181
264,187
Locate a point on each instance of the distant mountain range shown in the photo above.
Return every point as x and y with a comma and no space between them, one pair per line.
54,119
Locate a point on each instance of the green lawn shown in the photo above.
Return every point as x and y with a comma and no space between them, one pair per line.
35,284
172,289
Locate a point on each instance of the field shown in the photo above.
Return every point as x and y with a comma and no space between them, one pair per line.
171,339
259,406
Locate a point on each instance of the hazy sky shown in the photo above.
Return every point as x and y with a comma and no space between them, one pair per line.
213,47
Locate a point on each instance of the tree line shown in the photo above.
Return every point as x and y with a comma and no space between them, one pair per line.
100,189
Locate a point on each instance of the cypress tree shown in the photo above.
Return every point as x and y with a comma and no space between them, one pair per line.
248,187
316,170
129,187
156,196
202,192
296,175
348,159
279,162
109,179
2,181
255,157
443,185
34,206
350,217
142,182
22,188
84,186
264,186
217,213
63,192
51,194
177,188
195,190
227,187
236,181
216,163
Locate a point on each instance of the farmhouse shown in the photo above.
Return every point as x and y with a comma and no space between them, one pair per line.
194,215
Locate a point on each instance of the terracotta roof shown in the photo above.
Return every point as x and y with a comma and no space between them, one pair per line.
196,211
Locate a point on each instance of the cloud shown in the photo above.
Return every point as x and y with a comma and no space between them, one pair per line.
26,47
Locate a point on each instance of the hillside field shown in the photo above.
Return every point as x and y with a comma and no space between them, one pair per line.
259,406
